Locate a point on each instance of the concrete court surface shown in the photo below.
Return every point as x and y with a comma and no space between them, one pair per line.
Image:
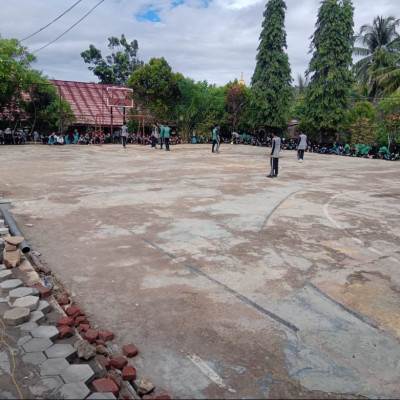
231,285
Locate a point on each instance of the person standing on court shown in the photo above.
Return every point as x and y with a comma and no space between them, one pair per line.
124,134
156,133
215,139
167,130
274,156
161,135
301,147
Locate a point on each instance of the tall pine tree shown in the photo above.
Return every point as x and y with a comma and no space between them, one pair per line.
327,96
271,90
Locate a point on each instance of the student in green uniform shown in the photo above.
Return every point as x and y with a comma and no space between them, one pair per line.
161,135
167,130
215,139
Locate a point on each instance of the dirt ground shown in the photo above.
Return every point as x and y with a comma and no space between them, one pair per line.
231,285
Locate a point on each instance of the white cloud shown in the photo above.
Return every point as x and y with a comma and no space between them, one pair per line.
215,43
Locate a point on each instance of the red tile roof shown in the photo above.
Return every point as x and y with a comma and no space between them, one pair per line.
89,101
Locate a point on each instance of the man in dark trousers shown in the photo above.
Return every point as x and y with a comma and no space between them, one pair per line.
274,156
167,130
301,147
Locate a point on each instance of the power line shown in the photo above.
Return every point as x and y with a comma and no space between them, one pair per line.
76,23
41,29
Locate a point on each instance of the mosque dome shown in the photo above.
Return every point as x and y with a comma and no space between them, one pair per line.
241,81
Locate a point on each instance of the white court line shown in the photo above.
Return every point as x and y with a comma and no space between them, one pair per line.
209,372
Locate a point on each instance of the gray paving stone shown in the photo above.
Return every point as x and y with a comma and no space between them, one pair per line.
22,292
78,373
61,351
34,358
28,326
37,316
101,396
5,274
75,390
16,316
44,331
53,366
5,299
2,267
30,302
37,344
45,388
44,307
3,231
11,284
23,340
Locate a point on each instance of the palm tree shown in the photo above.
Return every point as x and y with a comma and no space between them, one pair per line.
381,49
389,78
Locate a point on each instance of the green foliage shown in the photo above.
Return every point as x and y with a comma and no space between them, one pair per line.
15,62
236,98
381,49
388,112
155,89
327,96
361,123
271,93
117,67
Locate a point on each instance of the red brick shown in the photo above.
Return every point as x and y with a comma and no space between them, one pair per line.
43,290
116,379
103,361
65,331
106,336
130,350
81,320
65,321
148,397
83,327
63,300
162,397
118,362
128,373
105,385
73,311
90,335
102,342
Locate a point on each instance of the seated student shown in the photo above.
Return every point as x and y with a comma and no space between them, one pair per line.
81,139
52,139
384,153
347,150
60,140
96,139
76,137
66,139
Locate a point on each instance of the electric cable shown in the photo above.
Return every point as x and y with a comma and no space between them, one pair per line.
12,358
76,23
54,20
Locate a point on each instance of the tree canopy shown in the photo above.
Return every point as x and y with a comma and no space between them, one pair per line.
117,67
271,83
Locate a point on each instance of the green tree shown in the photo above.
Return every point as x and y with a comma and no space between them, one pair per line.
361,123
381,48
271,92
155,88
388,117
388,78
117,67
236,99
15,62
327,95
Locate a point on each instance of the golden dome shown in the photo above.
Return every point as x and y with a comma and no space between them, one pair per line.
241,81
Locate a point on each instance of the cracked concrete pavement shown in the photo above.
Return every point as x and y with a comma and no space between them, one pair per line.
231,285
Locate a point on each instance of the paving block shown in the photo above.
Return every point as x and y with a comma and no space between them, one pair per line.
15,240
44,331
44,388
65,321
73,311
102,361
5,274
30,302
21,292
65,332
11,284
54,366
128,373
11,259
118,362
2,266
44,307
28,326
106,336
34,358
43,290
37,344
23,340
37,316
3,231
75,390
77,373
61,351
16,316
105,385
101,396
130,350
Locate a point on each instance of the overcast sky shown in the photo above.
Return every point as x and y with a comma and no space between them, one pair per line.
213,40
